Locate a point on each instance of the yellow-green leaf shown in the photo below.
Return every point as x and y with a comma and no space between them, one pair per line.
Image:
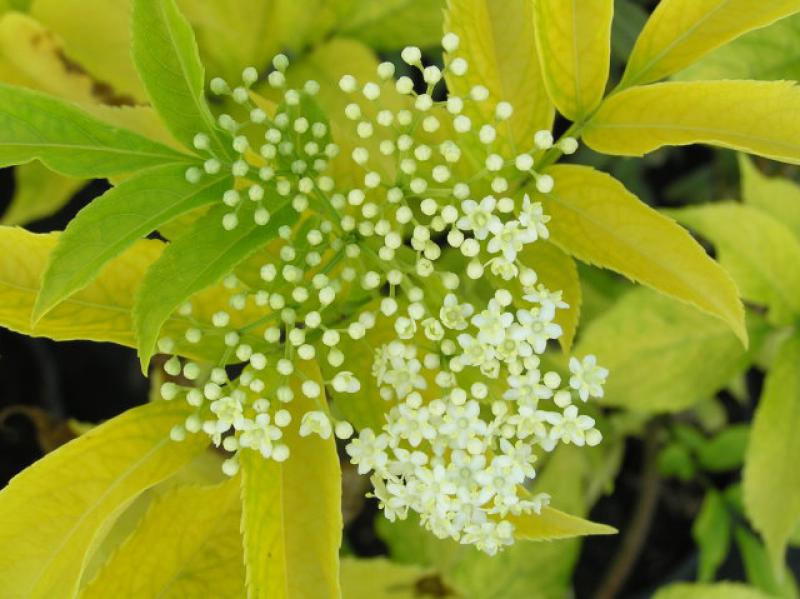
38,192
771,479
233,34
777,196
379,578
554,524
96,36
187,545
723,590
574,42
756,117
292,519
663,356
679,32
598,221
498,42
759,252
557,270
53,512
102,310
392,24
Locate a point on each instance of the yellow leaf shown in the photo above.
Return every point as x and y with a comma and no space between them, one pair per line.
292,519
96,35
681,31
776,196
757,117
187,545
38,192
771,478
553,524
379,578
498,42
53,512
574,42
102,310
598,221
556,270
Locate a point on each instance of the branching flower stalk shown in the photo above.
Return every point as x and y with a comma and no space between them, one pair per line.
469,404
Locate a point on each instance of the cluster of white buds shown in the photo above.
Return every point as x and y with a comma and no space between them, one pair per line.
468,407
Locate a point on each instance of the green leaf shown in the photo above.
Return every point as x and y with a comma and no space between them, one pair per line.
379,578
671,358
392,24
766,54
726,450
102,311
712,533
498,42
97,37
555,524
598,221
187,545
67,140
760,253
777,196
194,261
117,219
743,115
574,43
76,490
167,59
724,590
38,192
292,519
760,573
679,32
771,480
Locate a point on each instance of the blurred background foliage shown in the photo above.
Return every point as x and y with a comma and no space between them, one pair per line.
687,406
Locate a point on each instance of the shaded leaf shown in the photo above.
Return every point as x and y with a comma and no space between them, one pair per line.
777,196
752,116
711,531
723,590
574,43
378,578
393,24
76,490
598,221
38,192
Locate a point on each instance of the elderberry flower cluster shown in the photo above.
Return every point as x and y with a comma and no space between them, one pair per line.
438,201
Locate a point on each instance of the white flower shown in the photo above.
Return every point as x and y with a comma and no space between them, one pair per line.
492,323
533,217
509,240
412,424
548,300
454,315
570,427
346,382
368,451
479,218
587,377
539,327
